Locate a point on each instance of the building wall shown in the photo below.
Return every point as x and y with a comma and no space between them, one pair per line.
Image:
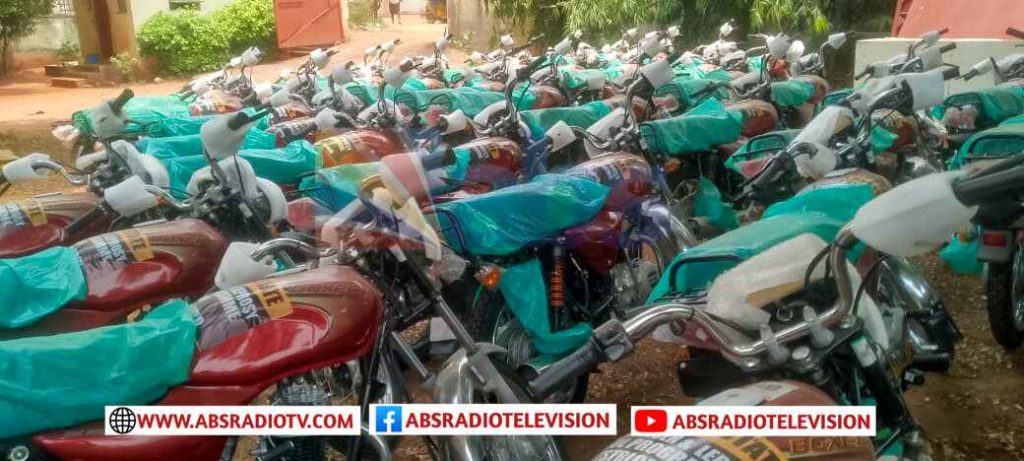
50,33
143,9
471,16
969,51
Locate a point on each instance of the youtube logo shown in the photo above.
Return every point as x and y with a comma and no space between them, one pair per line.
650,420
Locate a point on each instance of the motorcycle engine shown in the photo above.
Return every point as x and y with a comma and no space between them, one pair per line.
633,282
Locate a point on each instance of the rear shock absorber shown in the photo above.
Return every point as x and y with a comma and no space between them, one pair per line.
556,288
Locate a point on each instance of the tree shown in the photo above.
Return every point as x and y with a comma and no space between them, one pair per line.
17,19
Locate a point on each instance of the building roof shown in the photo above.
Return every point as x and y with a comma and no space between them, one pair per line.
964,18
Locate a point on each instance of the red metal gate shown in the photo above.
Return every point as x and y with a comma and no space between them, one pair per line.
305,23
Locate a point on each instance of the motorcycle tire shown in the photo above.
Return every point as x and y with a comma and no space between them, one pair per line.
999,285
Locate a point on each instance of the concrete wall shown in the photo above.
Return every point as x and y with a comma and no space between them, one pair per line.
471,15
143,9
50,33
968,53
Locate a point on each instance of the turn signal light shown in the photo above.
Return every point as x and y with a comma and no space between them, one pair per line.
489,276
672,165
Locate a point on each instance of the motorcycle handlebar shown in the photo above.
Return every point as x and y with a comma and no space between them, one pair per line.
1002,178
122,99
950,73
438,160
568,369
87,219
947,47
1014,32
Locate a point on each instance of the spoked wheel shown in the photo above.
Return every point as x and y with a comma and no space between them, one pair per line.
514,448
1004,287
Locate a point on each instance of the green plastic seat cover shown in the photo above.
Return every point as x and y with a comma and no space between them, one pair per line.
501,222
709,204
823,212
470,101
994,104
191,145
51,382
283,166
834,97
791,93
584,115
682,88
575,79
39,284
703,127
140,109
1001,141
962,256
524,291
183,126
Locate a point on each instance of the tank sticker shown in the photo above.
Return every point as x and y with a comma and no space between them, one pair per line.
22,214
804,446
227,313
749,448
483,152
110,252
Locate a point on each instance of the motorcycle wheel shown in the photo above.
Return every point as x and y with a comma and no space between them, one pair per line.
513,448
1004,287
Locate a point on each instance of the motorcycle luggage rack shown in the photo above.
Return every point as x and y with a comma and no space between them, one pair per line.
674,271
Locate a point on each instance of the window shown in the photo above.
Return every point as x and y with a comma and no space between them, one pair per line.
184,4
63,7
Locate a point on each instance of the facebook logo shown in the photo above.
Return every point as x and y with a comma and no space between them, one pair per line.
389,419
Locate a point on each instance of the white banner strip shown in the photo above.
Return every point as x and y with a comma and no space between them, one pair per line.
754,421
483,419
232,420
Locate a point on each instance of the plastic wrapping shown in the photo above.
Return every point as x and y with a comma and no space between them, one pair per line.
50,382
543,207
839,202
283,166
792,93
705,126
962,256
834,97
1001,141
524,291
709,204
37,285
191,145
746,159
540,120
469,100
683,87
575,79
993,105
140,109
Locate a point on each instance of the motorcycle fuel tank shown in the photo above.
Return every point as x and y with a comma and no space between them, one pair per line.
39,223
359,146
493,160
130,269
628,175
249,338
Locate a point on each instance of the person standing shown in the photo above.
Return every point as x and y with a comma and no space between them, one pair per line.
394,6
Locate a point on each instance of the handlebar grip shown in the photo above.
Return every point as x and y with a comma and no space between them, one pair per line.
332,52
1008,178
950,73
438,160
535,64
238,120
122,99
1014,32
944,31
568,369
947,47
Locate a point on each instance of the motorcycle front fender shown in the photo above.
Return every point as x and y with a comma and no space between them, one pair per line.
661,217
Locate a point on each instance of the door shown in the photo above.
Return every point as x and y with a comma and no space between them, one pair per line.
306,23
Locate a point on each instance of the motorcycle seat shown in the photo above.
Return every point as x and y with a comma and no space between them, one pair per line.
503,221
701,129
540,120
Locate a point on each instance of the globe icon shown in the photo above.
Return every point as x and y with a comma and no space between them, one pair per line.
122,420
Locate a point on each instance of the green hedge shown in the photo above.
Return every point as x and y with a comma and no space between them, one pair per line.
186,42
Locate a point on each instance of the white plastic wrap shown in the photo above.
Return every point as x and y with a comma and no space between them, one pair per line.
105,122
561,135
602,128
129,197
914,218
275,196
155,171
485,115
20,171
239,172
238,268
219,140
658,72
320,58
455,122
927,88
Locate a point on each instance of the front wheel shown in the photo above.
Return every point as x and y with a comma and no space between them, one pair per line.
1004,287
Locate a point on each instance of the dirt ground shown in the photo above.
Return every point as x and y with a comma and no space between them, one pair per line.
974,412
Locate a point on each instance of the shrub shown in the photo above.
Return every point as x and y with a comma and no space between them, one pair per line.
68,51
184,42
361,12
126,65
248,23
